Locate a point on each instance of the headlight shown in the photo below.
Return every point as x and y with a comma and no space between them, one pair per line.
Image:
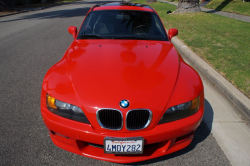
66,110
181,111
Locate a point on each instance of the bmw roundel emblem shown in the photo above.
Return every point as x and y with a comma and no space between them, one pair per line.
124,103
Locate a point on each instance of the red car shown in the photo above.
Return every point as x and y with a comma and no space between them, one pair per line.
122,93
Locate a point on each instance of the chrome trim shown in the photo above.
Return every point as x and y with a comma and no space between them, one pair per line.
100,123
148,122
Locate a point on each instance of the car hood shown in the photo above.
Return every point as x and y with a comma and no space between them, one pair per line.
103,72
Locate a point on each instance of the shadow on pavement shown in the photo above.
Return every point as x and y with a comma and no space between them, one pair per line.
200,135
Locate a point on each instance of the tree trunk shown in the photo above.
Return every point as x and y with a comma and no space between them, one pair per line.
188,6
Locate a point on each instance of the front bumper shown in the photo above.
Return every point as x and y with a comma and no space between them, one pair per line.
84,140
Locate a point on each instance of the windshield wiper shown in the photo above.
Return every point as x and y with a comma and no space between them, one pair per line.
91,36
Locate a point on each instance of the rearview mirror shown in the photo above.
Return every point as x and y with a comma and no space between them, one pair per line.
172,32
73,30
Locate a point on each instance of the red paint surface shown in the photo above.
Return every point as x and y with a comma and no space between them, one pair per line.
73,30
172,32
123,8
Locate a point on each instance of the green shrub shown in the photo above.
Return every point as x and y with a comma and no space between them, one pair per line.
18,3
34,1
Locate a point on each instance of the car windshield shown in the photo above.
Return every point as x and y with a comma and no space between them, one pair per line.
122,24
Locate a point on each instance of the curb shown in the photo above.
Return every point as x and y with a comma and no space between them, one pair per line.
14,13
232,93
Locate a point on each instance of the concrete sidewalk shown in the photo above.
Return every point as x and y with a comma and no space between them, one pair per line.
226,14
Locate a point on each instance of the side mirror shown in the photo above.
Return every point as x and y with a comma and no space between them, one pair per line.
172,32
73,30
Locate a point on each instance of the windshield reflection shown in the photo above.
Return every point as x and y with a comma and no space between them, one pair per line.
122,24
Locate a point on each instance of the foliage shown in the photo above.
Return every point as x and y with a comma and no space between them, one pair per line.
34,1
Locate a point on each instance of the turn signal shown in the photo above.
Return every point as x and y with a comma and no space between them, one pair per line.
51,102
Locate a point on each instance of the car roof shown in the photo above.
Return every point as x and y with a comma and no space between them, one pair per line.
122,6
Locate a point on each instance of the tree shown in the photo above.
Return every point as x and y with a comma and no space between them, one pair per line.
6,4
188,6
25,2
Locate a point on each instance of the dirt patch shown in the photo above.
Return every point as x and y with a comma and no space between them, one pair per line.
8,12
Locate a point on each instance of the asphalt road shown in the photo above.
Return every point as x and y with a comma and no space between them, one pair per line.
30,43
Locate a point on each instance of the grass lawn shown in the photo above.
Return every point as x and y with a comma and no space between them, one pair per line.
233,6
222,42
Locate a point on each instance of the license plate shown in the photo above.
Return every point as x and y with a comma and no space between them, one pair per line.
132,145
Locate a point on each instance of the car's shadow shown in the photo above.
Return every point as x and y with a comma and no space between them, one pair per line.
201,134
